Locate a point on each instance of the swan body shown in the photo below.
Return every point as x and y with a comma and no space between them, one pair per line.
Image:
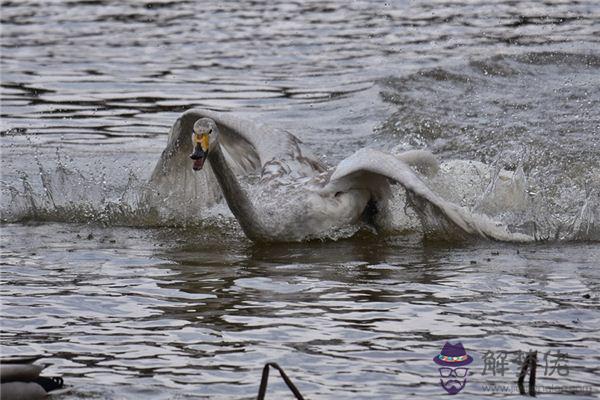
21,380
289,194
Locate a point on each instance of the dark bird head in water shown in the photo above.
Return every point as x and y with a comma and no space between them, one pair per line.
203,138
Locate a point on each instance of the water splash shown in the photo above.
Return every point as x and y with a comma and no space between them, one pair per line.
532,116
62,193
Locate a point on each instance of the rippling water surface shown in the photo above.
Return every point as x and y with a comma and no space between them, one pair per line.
126,305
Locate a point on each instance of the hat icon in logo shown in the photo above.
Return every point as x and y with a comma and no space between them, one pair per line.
453,355
452,358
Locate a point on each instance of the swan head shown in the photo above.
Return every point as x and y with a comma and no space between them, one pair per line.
204,136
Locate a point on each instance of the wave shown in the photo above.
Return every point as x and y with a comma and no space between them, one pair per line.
529,122
534,113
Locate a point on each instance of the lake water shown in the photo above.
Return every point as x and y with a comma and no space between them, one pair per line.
129,305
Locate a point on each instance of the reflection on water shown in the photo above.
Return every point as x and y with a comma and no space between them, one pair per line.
141,312
174,313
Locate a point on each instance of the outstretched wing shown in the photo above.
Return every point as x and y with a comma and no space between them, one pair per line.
174,189
365,169
250,147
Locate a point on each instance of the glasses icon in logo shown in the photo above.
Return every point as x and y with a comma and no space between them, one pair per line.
457,372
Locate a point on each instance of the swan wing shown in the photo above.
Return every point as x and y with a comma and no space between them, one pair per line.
365,169
249,148
174,189
252,146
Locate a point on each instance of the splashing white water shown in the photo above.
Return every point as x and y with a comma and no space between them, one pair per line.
61,192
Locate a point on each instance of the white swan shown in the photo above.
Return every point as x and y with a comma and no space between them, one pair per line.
296,196
21,380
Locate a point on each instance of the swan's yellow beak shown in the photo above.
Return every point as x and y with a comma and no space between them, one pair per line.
200,150
202,140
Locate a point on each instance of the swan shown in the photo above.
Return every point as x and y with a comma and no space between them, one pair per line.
291,194
21,380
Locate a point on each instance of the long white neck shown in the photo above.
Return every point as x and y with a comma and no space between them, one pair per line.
236,196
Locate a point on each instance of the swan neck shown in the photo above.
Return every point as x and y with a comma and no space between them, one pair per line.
235,195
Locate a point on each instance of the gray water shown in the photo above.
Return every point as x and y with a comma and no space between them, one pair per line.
127,305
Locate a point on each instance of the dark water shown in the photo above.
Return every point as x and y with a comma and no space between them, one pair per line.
126,307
